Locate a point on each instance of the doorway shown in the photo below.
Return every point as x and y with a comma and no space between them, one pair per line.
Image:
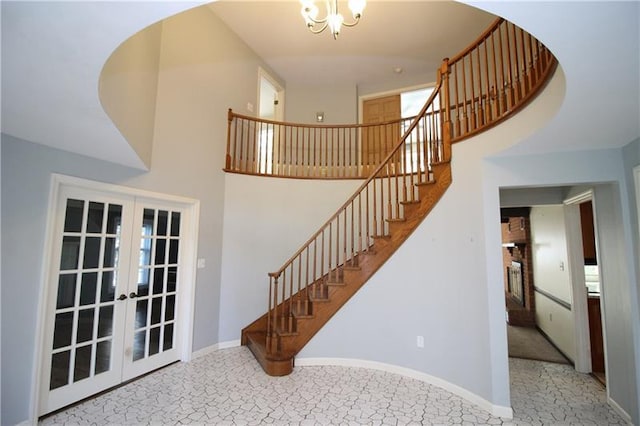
397,106
270,107
118,295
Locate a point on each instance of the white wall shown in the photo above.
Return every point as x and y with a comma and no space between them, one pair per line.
338,102
265,221
551,276
199,56
631,158
604,171
128,87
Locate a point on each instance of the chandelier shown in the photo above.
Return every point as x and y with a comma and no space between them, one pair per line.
333,19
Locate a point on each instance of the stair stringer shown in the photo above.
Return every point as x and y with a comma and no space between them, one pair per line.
281,361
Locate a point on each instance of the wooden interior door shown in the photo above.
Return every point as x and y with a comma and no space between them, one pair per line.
378,142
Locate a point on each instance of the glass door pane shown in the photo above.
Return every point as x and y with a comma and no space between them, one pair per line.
83,352
152,320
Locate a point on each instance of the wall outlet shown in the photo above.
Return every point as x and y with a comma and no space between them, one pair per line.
420,341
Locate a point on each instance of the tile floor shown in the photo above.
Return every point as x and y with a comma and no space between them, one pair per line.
228,387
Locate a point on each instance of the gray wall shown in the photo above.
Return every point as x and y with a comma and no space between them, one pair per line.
187,158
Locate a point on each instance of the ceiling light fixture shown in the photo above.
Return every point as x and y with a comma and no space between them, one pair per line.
333,20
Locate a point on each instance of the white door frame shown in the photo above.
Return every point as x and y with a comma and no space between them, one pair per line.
576,275
186,303
279,109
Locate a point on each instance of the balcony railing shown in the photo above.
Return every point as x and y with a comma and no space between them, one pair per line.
484,84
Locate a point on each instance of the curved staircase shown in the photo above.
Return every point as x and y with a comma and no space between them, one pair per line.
493,78
312,309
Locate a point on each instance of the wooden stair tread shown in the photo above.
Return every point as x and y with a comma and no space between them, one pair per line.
396,219
381,237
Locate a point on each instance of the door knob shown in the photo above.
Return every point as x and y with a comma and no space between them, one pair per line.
133,295
122,297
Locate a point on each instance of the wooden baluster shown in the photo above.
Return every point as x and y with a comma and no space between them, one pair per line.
367,216
227,161
308,152
487,80
322,265
457,106
538,59
277,150
344,241
256,144
360,223
502,87
389,189
281,299
495,99
481,119
375,208
533,76
241,148
335,269
415,160
274,322
353,241
325,152
314,153
474,121
446,125
258,147
330,151
518,81
247,146
425,146
437,122
289,318
330,246
466,102
270,313
351,148
523,66
510,83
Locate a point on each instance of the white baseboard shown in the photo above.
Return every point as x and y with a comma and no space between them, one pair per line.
495,410
216,347
618,409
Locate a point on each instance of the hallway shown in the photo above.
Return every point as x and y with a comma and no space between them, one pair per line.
228,387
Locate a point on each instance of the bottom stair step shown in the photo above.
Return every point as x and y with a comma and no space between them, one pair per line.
278,364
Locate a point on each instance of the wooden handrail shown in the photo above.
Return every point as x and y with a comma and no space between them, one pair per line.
306,151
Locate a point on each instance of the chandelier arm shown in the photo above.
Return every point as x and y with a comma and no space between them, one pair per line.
352,24
317,21
310,27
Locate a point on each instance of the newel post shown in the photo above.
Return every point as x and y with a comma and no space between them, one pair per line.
227,163
445,106
272,318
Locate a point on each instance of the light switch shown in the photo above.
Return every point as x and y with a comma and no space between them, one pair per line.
201,263
420,341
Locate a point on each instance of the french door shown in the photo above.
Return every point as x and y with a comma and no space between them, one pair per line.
114,284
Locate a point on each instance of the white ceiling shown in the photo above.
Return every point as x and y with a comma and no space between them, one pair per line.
412,35
53,52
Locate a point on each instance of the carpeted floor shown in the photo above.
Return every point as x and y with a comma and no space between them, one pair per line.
529,343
